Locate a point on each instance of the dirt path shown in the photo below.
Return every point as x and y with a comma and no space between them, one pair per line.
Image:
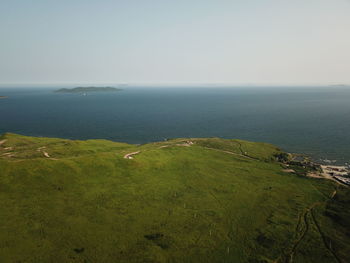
45,153
303,218
328,246
245,153
7,154
304,228
130,155
333,194
190,143
184,144
237,154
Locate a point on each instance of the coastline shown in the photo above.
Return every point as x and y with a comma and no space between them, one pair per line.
337,173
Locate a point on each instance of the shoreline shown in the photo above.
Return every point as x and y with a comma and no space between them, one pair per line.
337,173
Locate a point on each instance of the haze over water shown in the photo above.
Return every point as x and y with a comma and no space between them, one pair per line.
308,120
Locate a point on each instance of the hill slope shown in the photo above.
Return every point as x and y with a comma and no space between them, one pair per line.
183,200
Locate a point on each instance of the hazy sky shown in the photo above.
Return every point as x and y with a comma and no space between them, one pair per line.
175,41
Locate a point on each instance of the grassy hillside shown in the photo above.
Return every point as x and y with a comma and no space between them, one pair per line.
182,200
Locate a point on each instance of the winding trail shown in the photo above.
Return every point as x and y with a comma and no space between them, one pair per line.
328,246
303,217
245,153
184,144
237,154
190,143
130,155
6,154
303,234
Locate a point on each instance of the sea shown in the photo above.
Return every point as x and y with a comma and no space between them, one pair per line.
314,121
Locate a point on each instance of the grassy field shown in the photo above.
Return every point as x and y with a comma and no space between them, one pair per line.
182,200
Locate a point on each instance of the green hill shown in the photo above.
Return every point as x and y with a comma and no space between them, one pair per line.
182,200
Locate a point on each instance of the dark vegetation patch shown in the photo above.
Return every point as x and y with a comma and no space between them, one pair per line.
154,236
159,239
79,250
282,157
265,241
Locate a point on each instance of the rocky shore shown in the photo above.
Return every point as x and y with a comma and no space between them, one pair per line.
303,164
339,173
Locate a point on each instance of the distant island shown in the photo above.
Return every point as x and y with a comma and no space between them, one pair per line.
87,89
340,85
3,97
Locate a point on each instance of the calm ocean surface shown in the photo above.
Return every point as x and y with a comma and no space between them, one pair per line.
313,120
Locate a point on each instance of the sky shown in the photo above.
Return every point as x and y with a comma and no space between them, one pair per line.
175,42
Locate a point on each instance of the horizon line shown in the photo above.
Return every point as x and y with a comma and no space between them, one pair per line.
177,84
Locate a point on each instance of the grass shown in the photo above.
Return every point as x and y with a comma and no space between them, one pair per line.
214,201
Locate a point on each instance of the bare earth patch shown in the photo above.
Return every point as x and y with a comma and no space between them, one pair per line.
288,170
129,155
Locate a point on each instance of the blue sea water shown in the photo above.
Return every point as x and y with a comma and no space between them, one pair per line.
309,120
